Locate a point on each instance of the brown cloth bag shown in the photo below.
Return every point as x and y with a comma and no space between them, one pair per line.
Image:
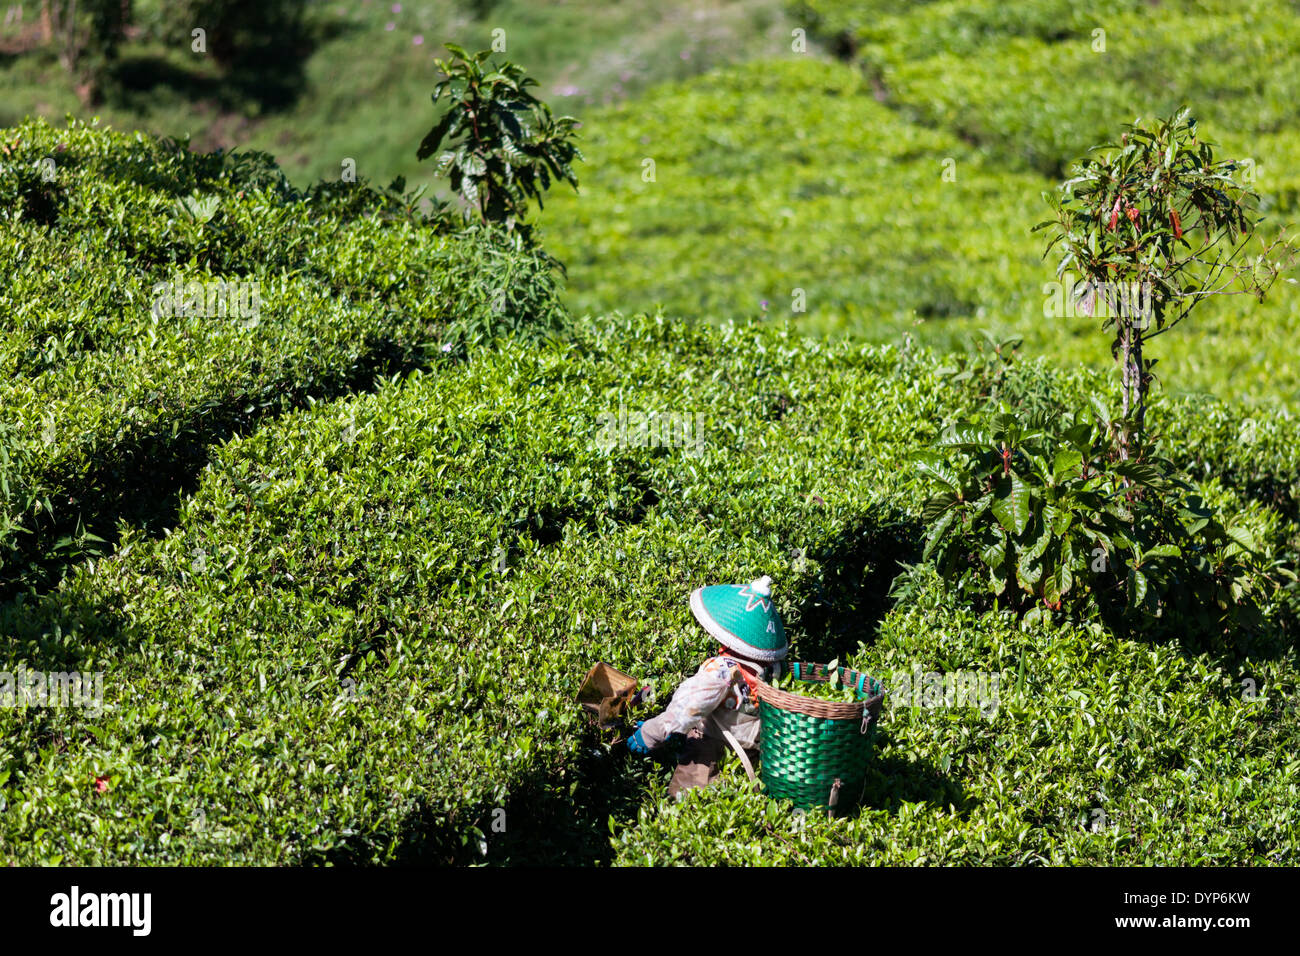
698,764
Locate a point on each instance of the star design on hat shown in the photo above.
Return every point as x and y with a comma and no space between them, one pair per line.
753,600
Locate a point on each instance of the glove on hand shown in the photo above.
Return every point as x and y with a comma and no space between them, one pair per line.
636,743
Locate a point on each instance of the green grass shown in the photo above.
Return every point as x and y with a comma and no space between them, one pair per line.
363,91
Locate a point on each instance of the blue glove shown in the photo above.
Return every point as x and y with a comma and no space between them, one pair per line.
636,743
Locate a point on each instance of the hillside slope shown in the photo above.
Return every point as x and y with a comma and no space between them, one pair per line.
358,85
362,637
801,191
158,301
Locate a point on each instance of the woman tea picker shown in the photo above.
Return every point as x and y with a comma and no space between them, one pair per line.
721,696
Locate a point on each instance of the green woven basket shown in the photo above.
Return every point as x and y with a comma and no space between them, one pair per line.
816,752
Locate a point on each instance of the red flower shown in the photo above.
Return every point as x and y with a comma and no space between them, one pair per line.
101,784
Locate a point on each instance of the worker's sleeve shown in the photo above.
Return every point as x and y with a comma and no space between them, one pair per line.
694,700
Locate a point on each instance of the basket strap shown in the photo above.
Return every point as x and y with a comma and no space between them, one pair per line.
742,675
740,752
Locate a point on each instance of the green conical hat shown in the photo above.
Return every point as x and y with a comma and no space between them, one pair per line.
743,618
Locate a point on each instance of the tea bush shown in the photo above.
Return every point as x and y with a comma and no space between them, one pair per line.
449,544
795,188
361,640
103,397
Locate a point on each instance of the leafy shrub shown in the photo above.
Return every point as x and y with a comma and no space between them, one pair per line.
363,634
1257,456
104,397
502,144
983,368
1056,519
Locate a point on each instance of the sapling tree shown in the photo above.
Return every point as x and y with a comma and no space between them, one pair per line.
500,145
1152,226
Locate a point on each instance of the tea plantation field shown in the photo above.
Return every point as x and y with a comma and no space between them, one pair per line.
344,557
355,632
362,635
107,399
895,193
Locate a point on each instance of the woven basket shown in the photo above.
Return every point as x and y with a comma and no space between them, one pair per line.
816,752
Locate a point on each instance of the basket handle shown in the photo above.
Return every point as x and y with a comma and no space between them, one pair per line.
740,752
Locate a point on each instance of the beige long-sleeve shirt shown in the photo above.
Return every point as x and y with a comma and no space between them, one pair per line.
717,697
